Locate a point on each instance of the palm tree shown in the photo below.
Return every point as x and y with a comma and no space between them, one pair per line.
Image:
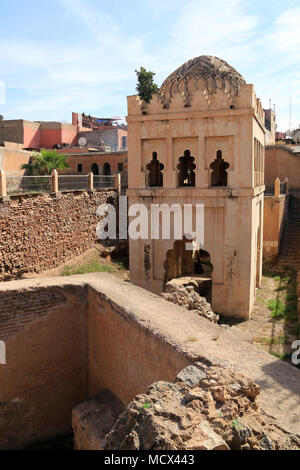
45,162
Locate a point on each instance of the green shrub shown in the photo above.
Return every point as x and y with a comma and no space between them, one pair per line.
89,267
277,308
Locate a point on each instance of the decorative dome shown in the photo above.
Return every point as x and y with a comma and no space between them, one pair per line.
204,72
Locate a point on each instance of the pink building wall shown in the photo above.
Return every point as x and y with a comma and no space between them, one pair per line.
31,135
46,135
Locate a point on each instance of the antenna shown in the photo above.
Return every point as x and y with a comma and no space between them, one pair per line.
290,121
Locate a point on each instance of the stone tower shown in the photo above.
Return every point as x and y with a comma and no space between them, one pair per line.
201,141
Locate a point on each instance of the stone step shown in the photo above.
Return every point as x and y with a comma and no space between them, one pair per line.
290,250
94,419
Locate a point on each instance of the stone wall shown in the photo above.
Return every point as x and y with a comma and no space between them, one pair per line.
282,162
45,374
39,232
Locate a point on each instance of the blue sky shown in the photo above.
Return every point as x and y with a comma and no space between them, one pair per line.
59,56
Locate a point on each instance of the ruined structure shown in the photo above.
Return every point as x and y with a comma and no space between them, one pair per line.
70,339
201,141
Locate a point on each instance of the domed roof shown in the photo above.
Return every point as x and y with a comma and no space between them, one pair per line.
214,72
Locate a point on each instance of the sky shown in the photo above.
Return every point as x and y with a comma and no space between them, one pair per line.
59,56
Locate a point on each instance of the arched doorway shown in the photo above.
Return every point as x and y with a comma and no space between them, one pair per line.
95,169
106,169
195,264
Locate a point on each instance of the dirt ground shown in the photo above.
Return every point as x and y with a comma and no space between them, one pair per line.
90,261
274,324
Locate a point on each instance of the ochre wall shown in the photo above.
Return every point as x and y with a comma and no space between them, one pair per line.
122,355
282,163
39,232
12,160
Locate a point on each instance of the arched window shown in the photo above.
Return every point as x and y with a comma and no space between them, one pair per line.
219,175
106,169
186,167
95,169
155,168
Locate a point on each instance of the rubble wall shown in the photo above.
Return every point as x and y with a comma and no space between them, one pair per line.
41,231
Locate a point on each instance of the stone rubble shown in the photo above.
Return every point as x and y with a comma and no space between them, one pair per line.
204,409
183,292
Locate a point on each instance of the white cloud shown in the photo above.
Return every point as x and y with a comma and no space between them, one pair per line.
286,37
96,70
204,28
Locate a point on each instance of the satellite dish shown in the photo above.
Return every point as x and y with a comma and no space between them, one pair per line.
82,141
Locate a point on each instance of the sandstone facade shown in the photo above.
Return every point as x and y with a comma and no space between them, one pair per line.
200,141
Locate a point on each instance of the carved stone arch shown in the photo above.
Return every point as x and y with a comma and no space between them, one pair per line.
154,172
186,167
219,175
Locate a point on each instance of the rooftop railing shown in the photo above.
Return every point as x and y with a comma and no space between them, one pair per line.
17,185
277,188
28,184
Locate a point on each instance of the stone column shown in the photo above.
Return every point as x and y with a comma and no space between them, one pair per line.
277,187
118,183
54,181
91,181
3,191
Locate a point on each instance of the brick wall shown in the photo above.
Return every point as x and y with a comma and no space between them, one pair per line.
39,232
18,309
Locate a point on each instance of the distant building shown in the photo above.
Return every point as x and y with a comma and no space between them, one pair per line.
296,135
96,131
82,161
270,125
104,134
280,136
36,135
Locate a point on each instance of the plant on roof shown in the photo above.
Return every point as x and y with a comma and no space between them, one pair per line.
146,87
